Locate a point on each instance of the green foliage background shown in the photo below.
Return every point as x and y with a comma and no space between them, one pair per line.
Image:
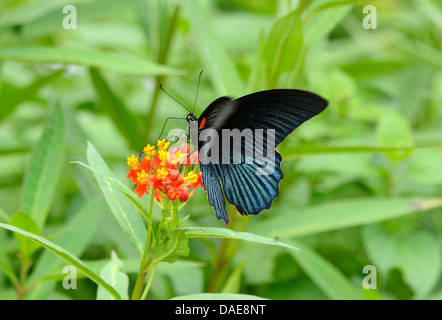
362,181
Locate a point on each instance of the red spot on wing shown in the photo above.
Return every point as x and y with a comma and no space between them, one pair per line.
202,123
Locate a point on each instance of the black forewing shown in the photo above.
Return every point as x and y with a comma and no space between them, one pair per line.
281,109
218,113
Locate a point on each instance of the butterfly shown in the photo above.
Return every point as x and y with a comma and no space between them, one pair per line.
238,175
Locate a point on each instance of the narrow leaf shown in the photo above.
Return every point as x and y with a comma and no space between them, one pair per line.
227,233
118,112
11,96
341,214
123,209
83,57
25,222
117,184
420,259
112,274
219,65
291,153
218,296
233,283
42,173
75,236
326,276
283,45
6,266
65,255
322,23
176,245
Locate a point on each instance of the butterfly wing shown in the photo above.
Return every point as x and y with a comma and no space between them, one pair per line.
247,188
217,114
281,109
251,186
214,192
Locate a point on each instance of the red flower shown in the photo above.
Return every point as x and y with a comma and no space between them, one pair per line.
160,170
184,196
141,189
132,175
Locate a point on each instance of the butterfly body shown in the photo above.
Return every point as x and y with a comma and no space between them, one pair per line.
248,171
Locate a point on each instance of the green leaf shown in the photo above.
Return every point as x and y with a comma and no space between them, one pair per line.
431,11
370,68
38,19
394,131
422,52
416,254
218,64
8,294
179,269
156,20
83,57
42,174
420,257
65,255
11,96
258,79
316,28
123,209
252,256
283,45
28,12
436,296
185,276
118,112
291,153
112,274
233,283
410,99
6,266
326,276
75,236
218,296
424,166
380,248
340,214
4,216
175,245
192,232
117,184
319,6
25,222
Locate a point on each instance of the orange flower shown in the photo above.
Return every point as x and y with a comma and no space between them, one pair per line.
141,189
132,175
145,164
160,171
133,162
149,150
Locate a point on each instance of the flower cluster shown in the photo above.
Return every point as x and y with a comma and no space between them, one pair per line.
166,172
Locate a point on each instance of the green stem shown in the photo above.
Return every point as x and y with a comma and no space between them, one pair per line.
149,223
142,272
149,283
21,284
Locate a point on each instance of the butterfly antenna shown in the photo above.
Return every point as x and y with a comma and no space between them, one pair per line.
161,87
165,122
197,89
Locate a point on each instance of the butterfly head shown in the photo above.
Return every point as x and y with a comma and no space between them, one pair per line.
191,117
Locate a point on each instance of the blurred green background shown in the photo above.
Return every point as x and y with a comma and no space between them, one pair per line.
362,181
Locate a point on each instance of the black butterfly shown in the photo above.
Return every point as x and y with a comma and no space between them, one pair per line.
249,184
